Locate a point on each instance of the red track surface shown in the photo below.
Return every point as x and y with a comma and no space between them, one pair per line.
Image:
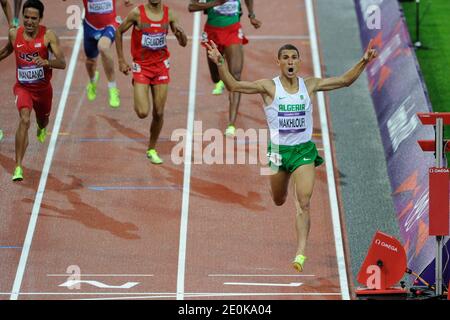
107,210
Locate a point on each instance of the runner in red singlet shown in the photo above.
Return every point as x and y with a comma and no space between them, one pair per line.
151,65
37,52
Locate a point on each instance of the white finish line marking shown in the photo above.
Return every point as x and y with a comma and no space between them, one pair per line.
292,284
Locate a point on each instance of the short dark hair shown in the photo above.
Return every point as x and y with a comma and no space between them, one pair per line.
35,4
287,47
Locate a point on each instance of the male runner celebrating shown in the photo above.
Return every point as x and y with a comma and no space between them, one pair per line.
150,23
224,28
34,46
100,24
288,108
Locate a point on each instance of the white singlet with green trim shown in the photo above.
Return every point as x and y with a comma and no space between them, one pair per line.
290,115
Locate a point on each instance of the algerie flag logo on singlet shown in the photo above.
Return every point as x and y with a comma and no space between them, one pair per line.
230,8
100,6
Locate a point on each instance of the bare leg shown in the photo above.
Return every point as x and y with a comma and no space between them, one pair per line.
141,100
235,59
22,135
104,47
91,67
159,94
303,184
279,183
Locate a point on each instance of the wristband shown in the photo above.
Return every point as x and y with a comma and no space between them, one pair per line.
221,61
251,15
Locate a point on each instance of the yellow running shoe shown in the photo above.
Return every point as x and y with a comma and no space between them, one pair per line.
153,156
1,135
18,174
114,98
92,88
231,131
218,89
41,134
298,262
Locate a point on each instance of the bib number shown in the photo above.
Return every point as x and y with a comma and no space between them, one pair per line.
100,6
30,75
154,41
229,8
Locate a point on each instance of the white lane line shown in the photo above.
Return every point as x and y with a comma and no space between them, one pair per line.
45,170
261,275
100,275
261,284
328,156
137,295
187,158
256,38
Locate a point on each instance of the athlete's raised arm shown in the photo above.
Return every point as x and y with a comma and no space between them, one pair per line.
7,10
8,48
262,86
176,29
345,80
130,20
200,5
53,43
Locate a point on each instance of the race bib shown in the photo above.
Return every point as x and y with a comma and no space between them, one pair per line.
136,67
30,74
154,41
230,8
291,122
100,6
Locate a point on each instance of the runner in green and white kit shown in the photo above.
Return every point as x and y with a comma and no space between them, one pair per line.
288,109
224,28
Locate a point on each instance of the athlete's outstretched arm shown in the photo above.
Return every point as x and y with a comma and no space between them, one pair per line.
59,62
199,5
251,14
176,29
259,86
345,80
7,10
8,48
130,20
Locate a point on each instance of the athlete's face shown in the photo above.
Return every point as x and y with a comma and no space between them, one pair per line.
289,62
31,20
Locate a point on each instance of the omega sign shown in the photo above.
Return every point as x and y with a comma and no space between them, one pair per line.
386,245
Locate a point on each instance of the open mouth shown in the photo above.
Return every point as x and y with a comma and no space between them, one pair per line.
291,70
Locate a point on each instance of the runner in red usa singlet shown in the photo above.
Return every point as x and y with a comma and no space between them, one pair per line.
37,52
151,65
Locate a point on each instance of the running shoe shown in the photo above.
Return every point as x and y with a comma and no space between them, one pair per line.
154,157
114,98
218,89
1,135
41,134
298,262
92,87
18,174
230,131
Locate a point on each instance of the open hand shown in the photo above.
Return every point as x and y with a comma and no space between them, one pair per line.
214,53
